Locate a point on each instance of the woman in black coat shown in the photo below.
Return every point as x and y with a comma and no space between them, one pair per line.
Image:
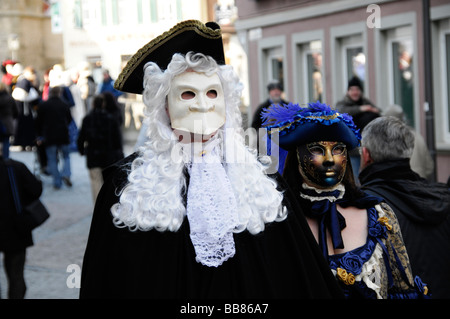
100,139
8,112
13,239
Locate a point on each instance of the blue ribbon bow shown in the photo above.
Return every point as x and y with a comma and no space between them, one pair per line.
329,217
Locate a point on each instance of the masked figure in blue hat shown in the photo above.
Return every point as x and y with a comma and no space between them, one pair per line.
357,233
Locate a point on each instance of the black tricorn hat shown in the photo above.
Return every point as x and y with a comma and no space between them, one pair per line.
186,36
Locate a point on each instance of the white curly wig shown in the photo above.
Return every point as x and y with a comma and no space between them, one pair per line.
154,195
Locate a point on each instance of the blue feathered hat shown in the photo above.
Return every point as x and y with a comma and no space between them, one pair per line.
298,125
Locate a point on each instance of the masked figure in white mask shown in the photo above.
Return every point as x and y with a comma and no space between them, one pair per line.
192,214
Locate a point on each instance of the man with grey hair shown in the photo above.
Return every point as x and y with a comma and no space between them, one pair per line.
422,207
420,160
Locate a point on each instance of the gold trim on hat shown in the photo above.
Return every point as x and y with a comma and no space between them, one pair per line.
143,52
322,117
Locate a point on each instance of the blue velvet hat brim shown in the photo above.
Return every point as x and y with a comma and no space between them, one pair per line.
296,125
314,132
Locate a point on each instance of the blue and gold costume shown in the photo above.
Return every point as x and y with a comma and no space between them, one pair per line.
380,268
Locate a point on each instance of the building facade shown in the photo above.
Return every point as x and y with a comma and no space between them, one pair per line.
26,34
106,33
315,47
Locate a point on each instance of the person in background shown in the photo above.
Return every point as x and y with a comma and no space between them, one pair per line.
420,161
86,84
78,110
422,208
112,106
361,109
27,97
275,90
355,104
357,233
14,242
52,125
108,85
8,77
46,85
8,114
100,139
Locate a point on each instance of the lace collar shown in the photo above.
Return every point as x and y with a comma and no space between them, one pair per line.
211,205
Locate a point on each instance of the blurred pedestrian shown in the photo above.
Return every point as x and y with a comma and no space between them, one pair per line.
27,97
14,242
275,91
8,77
107,85
52,123
420,161
362,110
86,84
78,110
357,105
358,233
40,147
422,208
8,114
60,78
46,85
112,106
100,139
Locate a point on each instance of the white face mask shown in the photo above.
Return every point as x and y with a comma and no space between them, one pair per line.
196,103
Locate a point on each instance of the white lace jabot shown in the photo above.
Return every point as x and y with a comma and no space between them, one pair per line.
211,206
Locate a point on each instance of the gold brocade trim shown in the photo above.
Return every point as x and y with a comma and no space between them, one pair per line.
143,52
323,117
385,222
346,278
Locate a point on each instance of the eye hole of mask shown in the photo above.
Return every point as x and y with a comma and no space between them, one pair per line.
316,150
320,151
339,149
212,94
187,95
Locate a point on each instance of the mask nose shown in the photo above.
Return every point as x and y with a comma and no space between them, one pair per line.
201,104
329,159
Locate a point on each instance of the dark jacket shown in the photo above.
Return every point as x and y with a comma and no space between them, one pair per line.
52,122
29,188
423,210
361,119
100,139
8,112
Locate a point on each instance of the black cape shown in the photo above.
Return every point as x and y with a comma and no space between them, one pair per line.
284,261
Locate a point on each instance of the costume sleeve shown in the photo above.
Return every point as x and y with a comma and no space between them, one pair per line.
404,285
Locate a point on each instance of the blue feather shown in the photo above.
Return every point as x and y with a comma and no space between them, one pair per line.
277,114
